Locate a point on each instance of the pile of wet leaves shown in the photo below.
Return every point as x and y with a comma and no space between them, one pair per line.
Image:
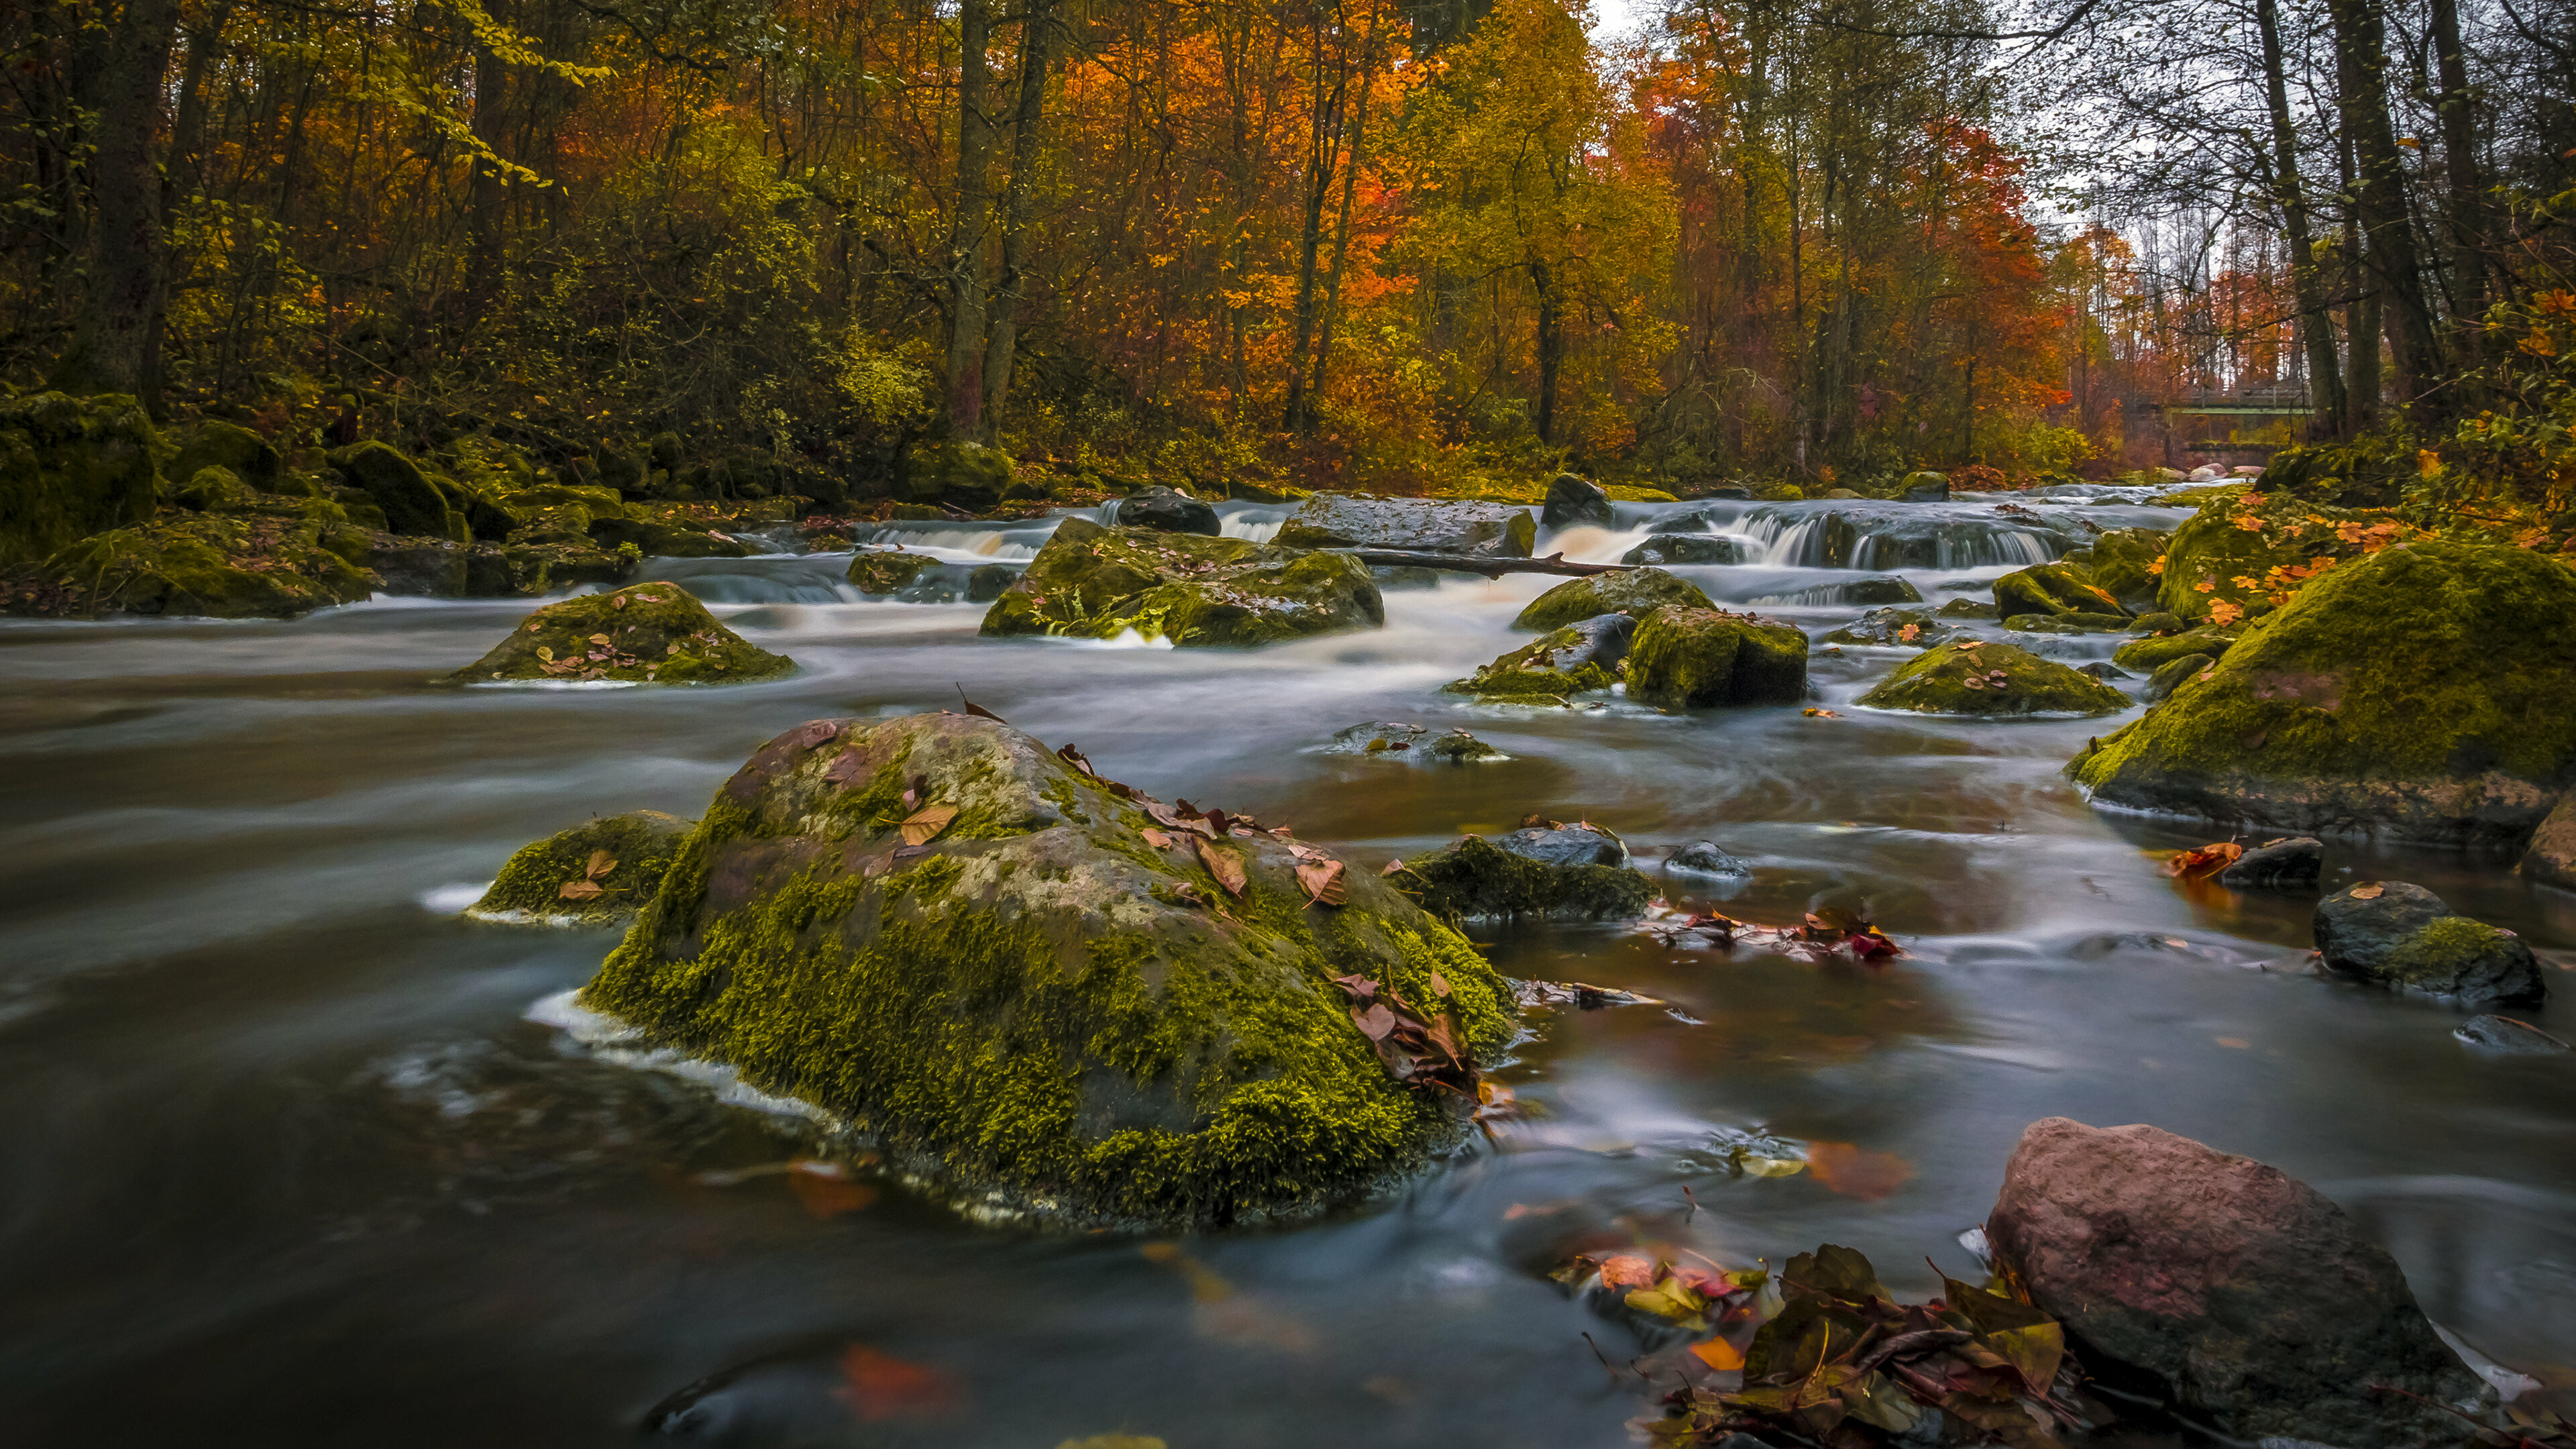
1827,933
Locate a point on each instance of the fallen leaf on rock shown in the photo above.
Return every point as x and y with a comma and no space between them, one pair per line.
1392,867
1323,883
877,1387
1857,1171
2368,892
601,863
844,768
1374,1023
977,710
2208,860
579,890
1439,984
1222,864
923,826
1156,838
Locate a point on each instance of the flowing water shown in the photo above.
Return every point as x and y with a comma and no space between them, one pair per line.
292,1153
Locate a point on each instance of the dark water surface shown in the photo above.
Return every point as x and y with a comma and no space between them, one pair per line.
284,1158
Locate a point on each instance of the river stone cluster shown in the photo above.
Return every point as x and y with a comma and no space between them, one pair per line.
642,634
1042,1000
1992,681
2428,690
1554,872
1581,656
1098,583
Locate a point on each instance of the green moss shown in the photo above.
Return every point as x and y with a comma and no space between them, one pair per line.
2208,639
1534,672
412,503
2054,588
2429,689
1956,681
2123,563
647,634
2215,556
70,467
2446,952
1696,658
2073,623
885,571
641,844
1634,592
1098,583
1473,877
277,563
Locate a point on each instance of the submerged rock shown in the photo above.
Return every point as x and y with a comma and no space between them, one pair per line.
2551,858
1698,658
1572,500
71,467
1906,627
1634,592
1170,510
2296,864
1685,548
887,571
1705,857
1994,681
643,634
1098,583
2055,588
1404,576
596,874
1476,877
2240,1294
2506,1037
1035,1000
2427,691
2403,935
1425,525
1887,589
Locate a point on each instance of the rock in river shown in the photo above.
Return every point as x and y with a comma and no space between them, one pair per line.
1170,510
1033,998
1097,583
887,570
1412,742
2241,1295
1686,658
1581,656
2505,1037
1685,548
2403,935
2427,692
1421,525
1634,592
1705,857
2551,860
1529,873
641,634
1572,499
2055,588
593,875
1994,681
2296,864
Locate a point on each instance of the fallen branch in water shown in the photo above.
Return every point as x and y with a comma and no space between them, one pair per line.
1554,563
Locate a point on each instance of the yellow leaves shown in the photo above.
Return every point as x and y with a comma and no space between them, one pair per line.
2156,566
2207,585
2247,582
2224,612
1719,1354
2207,861
2427,462
2247,522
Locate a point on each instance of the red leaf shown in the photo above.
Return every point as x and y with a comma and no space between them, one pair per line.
1323,882
878,1387
1376,1022
1223,865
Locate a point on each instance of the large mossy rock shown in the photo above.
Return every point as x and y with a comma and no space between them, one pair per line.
2404,936
643,634
888,571
1097,583
967,477
232,447
1420,525
1170,510
1573,499
2427,691
1698,658
412,502
596,874
1992,681
1526,874
2124,565
1560,663
2238,1293
666,538
1633,592
2055,588
1039,1002
2230,549
71,467
273,565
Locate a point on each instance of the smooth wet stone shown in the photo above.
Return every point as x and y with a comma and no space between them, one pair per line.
596,874
2173,674
1422,525
1705,857
1687,658
1039,1002
2505,1037
1684,548
2402,935
2104,671
1573,500
1170,510
1093,582
1473,877
2550,859
2296,864
1397,741
2244,1296
1967,609
1563,845
1634,592
987,582
1884,590
888,571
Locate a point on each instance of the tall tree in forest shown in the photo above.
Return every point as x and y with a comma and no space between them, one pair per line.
118,72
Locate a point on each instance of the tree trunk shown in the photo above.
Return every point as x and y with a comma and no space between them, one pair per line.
2307,292
2363,390
1551,348
966,232
1322,152
1342,231
119,80
1001,331
2466,231
2388,241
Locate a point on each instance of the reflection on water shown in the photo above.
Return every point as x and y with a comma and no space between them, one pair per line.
282,1158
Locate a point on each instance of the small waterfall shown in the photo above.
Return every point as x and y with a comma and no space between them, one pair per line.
961,544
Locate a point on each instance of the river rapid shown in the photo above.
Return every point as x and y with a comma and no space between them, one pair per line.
293,1153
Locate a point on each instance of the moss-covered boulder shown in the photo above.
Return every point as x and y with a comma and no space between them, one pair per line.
1044,997
1633,592
596,874
1097,583
214,490
653,537
2403,935
1898,628
1423,525
1968,609
888,571
232,447
70,467
1585,655
411,501
2173,674
1397,741
299,556
643,634
2055,588
1473,877
2427,691
2158,651
965,477
2246,548
1700,658
2124,565
1994,681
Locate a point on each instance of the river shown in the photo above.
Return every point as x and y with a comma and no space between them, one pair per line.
293,1153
